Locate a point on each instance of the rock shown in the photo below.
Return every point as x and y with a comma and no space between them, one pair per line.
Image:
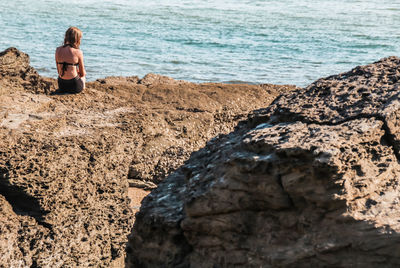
169,121
66,161
69,201
14,62
16,72
118,80
146,185
310,181
155,79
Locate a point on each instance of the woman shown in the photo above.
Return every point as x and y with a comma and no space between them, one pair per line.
69,59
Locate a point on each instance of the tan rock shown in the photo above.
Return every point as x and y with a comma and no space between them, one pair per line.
65,160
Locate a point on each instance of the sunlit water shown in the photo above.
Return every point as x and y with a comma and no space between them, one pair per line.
280,42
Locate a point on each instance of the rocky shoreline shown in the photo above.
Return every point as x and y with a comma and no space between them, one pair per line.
240,175
68,162
310,181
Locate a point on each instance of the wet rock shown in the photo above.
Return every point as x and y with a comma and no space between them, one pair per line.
312,180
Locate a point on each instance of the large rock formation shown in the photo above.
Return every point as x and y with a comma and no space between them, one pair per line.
65,159
311,181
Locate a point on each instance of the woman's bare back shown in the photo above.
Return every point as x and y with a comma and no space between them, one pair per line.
71,56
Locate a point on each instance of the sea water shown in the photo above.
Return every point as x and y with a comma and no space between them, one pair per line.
269,41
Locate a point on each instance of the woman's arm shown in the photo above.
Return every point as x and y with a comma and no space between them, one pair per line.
82,71
57,65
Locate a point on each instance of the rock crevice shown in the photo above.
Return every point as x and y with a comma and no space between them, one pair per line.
22,203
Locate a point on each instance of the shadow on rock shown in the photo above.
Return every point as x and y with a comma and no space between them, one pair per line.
312,180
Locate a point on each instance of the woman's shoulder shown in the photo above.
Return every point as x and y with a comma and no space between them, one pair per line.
58,51
60,48
78,51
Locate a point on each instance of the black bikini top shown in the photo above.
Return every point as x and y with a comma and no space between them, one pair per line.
65,64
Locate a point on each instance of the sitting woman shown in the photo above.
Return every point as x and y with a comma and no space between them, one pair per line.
69,59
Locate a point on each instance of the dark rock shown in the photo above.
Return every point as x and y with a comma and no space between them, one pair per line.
311,181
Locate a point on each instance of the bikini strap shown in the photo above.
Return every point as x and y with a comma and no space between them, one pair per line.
65,66
67,63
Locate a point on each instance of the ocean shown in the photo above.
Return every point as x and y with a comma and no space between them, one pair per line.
277,41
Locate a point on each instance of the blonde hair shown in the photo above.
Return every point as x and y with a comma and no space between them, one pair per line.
73,37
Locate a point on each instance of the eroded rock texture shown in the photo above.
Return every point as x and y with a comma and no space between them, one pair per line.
16,73
311,181
66,160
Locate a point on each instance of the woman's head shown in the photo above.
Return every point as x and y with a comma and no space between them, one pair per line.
73,37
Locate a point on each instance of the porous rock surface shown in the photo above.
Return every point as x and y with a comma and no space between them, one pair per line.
16,73
310,181
66,160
